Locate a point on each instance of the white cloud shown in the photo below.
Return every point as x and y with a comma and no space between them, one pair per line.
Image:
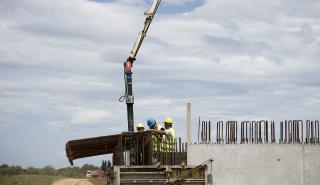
89,116
56,125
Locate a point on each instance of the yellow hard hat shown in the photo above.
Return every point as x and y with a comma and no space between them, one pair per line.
140,125
168,120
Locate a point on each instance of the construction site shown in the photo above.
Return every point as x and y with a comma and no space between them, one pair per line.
246,152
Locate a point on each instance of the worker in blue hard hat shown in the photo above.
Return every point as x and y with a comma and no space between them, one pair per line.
156,138
152,124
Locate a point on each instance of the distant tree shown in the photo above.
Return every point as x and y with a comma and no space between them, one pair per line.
104,165
48,170
32,170
11,170
109,163
4,166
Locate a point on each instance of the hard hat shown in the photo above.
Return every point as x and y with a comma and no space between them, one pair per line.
151,122
140,125
168,120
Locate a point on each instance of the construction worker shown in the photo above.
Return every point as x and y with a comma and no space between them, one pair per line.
170,137
152,124
140,127
156,138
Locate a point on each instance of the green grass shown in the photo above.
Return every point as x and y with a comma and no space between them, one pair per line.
28,179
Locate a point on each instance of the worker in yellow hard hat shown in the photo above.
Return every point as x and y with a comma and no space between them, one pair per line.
140,127
170,137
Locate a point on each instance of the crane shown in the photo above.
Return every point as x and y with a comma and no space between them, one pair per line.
128,64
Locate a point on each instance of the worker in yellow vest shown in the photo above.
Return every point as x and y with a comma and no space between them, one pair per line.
169,139
156,139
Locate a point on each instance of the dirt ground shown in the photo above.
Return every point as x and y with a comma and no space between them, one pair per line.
80,182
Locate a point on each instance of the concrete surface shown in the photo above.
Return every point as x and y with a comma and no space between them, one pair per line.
311,165
259,164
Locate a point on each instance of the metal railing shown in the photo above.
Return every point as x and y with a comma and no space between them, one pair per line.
149,148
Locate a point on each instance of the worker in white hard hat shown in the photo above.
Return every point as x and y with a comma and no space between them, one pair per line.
140,127
170,137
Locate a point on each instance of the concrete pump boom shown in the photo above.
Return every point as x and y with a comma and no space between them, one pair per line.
129,63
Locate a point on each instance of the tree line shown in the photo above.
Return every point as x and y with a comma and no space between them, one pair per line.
48,170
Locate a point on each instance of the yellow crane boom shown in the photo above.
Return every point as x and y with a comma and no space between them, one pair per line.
132,57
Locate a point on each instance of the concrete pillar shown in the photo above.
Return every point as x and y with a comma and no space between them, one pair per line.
189,132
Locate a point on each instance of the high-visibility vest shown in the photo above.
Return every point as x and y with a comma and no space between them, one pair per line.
156,142
168,143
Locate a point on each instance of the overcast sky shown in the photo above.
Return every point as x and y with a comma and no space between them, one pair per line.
61,71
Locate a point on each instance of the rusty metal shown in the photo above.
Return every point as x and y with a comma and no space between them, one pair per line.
246,139
273,138
312,133
259,137
308,132
139,145
205,131
300,121
242,133
199,131
266,131
209,131
219,133
318,136
258,132
281,133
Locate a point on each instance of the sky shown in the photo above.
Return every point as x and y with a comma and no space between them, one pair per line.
61,68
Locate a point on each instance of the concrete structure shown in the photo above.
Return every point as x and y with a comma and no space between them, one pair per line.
259,164
189,124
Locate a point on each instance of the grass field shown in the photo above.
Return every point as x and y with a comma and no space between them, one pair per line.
28,179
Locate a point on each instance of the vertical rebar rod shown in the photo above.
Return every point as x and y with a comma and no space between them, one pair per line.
267,131
301,131
222,132
294,132
217,133
241,133
199,131
318,140
206,133
312,133
290,130
281,132
226,135
264,132
246,132
179,144
286,130
209,131
273,132
307,131
236,138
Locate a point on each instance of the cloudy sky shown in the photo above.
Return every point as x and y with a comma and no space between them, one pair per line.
61,68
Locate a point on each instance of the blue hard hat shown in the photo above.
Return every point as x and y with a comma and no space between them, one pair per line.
151,122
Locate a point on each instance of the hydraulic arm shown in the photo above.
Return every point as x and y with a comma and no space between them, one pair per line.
128,64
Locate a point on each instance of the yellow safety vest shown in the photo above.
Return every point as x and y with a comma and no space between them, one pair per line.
168,143
156,142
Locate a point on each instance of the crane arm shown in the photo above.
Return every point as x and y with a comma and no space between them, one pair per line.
132,57
150,14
